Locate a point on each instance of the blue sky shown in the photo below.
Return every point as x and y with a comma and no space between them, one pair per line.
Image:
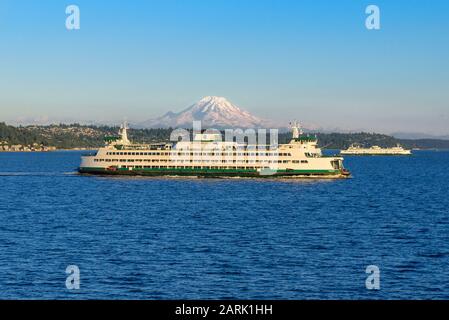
310,60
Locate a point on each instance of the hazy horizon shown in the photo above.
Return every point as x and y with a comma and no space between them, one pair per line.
312,61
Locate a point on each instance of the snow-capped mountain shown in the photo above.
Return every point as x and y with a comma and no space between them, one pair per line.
213,112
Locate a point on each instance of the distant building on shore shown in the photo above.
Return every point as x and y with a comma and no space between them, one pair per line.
35,147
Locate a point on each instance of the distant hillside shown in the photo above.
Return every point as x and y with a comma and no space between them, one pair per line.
425,143
61,136
68,136
418,136
344,140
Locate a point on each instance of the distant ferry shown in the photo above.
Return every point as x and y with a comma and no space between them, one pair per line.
208,156
375,151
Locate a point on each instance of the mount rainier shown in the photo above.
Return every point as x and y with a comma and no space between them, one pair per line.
216,112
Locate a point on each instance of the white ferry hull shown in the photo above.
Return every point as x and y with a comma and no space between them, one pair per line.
216,173
370,153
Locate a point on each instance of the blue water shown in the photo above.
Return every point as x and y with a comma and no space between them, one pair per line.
155,238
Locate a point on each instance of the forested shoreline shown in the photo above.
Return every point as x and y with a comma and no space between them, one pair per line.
76,136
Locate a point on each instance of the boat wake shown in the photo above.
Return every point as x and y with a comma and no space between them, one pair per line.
37,174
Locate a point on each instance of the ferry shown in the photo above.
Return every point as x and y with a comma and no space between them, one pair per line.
208,156
376,151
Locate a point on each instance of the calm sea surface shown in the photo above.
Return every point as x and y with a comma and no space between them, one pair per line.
154,238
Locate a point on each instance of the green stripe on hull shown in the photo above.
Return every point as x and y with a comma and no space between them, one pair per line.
210,172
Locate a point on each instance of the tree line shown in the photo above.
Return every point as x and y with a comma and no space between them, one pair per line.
67,136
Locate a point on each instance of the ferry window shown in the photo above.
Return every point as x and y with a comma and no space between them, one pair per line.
304,161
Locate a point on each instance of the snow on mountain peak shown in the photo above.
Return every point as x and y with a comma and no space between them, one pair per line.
212,111
213,99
